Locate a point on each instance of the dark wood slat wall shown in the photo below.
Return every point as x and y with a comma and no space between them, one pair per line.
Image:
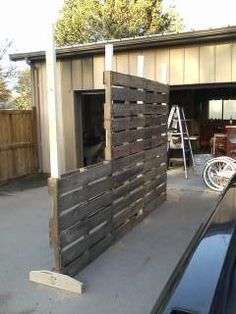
136,128
84,214
99,203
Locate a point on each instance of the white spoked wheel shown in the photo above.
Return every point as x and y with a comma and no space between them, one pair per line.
218,172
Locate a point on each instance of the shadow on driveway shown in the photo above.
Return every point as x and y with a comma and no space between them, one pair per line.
33,181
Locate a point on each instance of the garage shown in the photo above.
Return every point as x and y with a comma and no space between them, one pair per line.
199,67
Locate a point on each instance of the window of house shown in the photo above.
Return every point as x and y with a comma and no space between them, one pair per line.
229,110
222,109
215,109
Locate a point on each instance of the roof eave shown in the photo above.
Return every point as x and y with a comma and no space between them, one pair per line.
211,35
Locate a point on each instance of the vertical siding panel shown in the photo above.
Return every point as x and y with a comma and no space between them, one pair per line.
60,115
114,65
177,66
223,63
234,62
44,118
207,64
87,73
36,105
77,74
122,62
67,98
149,64
162,67
191,68
133,61
98,69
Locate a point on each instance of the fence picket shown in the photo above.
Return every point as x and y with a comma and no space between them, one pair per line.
18,147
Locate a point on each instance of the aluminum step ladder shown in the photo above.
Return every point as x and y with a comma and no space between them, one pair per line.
177,128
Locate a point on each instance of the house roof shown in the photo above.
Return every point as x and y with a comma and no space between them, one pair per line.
142,42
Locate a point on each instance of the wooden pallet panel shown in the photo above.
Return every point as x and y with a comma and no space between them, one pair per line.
98,204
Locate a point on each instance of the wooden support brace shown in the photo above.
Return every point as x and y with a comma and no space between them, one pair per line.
56,280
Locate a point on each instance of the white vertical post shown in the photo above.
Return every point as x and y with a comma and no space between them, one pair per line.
140,66
108,57
52,107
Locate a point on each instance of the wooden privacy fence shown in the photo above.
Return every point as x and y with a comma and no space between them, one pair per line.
18,146
95,205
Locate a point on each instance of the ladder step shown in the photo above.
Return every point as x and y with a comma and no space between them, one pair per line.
183,120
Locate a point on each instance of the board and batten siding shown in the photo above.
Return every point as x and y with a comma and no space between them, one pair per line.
39,78
40,102
179,65
201,64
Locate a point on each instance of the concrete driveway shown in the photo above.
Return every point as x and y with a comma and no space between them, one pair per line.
126,279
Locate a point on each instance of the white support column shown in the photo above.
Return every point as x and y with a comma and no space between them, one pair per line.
140,66
52,107
108,57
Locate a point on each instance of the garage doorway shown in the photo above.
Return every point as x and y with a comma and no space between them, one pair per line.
208,108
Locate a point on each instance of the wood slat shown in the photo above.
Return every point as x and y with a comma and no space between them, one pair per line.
127,162
127,136
155,193
99,234
127,109
156,109
127,94
83,211
125,80
151,185
151,120
126,175
120,124
153,173
74,267
124,110
127,213
129,225
154,163
83,176
100,247
76,249
73,233
82,228
156,151
127,187
155,203
127,200
156,98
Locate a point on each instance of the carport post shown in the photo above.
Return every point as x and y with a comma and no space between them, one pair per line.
108,57
52,108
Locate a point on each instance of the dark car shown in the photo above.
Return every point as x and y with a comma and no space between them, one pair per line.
204,280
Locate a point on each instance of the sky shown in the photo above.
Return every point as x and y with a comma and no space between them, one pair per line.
26,22
204,14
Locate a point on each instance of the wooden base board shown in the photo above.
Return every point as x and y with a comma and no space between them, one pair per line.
56,280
